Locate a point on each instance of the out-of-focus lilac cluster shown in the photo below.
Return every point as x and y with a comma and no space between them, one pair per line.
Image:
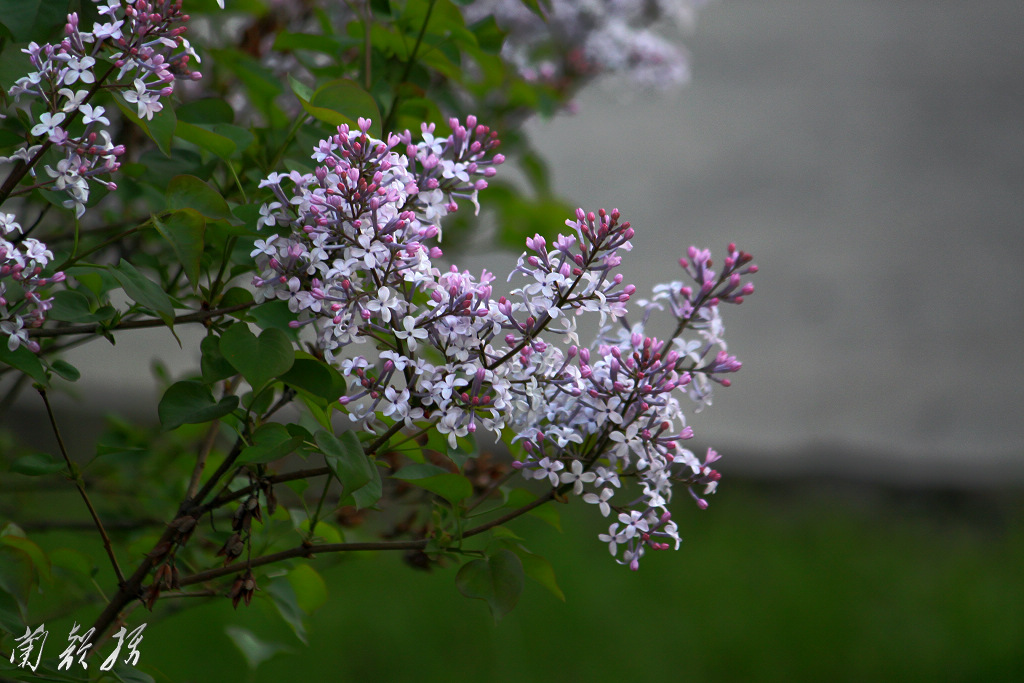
578,40
354,260
137,42
21,264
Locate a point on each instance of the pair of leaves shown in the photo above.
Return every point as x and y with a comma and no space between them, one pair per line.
497,580
33,366
258,359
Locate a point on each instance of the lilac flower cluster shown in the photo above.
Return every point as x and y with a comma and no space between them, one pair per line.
579,40
619,413
22,262
354,260
142,40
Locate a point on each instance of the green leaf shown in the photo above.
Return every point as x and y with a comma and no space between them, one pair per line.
156,170
419,471
288,41
160,129
185,230
270,442
190,192
209,110
258,402
17,577
235,296
275,315
489,36
249,214
190,402
31,19
534,6
259,359
72,306
497,580
37,465
519,218
65,370
15,539
129,674
342,102
464,450
238,135
220,145
346,459
73,561
517,498
301,90
310,588
26,361
452,487
324,530
283,595
213,364
536,170
368,495
540,570
144,291
10,618
254,650
310,375
413,110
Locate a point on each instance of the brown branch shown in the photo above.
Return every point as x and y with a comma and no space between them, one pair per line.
82,525
204,453
89,328
312,549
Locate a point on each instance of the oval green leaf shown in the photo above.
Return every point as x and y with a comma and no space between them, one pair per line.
497,580
259,359
190,402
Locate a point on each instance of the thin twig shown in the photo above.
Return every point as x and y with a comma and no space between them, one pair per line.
81,489
204,453
82,525
90,328
313,549
408,69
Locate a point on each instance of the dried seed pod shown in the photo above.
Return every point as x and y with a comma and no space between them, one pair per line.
243,589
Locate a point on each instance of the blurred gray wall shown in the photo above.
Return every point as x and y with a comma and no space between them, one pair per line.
870,154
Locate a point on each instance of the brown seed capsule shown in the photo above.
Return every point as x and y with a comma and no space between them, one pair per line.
243,589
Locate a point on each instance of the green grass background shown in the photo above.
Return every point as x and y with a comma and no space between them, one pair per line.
813,581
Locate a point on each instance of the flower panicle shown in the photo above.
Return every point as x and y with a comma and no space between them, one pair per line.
354,256
143,41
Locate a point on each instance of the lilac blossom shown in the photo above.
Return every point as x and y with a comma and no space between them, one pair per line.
21,265
143,39
354,257
576,41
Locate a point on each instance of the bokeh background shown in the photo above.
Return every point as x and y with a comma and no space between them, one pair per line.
870,154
